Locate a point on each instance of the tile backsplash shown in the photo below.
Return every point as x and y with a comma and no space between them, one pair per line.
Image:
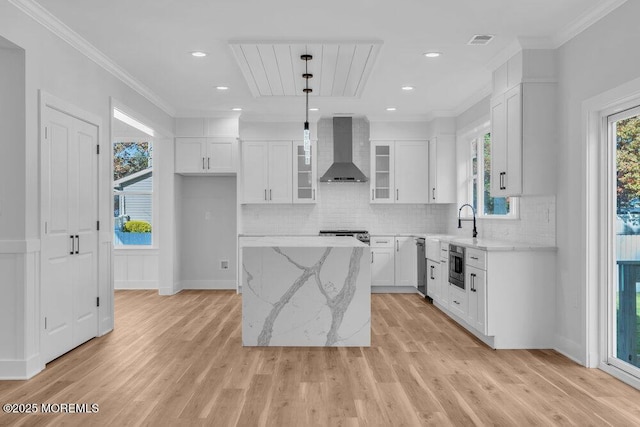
536,223
344,205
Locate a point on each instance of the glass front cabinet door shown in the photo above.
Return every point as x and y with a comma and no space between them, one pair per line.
305,178
382,185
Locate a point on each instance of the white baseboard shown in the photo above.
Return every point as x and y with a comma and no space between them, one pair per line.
208,284
20,369
177,287
569,349
393,290
135,284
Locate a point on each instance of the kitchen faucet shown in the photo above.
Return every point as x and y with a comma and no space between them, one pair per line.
475,232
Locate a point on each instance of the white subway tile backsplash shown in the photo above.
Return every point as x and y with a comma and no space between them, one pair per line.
344,205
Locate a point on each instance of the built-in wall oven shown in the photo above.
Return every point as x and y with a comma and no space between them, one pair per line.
456,265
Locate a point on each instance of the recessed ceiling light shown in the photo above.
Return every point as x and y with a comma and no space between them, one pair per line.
198,54
236,109
391,108
407,88
313,109
222,87
432,54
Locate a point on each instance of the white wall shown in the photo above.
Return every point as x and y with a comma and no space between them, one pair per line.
599,59
55,67
207,232
346,205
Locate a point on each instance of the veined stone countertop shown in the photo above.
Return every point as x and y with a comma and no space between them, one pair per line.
301,241
492,245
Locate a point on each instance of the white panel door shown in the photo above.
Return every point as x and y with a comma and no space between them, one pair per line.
433,280
382,266
406,262
280,172
84,212
69,285
476,280
255,172
433,169
58,243
411,171
221,156
190,155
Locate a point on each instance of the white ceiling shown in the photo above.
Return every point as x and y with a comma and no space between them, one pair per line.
152,40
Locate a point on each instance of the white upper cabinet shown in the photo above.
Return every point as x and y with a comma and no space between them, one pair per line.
305,177
442,169
205,155
523,123
267,171
399,172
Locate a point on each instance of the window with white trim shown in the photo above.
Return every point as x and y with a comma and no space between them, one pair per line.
480,182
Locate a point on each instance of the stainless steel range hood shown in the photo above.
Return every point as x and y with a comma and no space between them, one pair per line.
343,169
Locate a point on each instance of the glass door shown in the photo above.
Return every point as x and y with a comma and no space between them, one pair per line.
624,247
304,186
382,181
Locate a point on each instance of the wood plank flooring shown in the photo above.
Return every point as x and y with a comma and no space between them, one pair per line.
178,361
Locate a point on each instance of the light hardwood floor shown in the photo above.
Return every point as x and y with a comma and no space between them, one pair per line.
179,361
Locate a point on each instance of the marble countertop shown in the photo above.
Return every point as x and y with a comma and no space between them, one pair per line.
491,245
301,241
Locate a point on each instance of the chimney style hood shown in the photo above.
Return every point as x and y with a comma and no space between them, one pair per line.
343,169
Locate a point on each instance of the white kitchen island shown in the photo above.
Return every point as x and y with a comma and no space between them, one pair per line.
306,291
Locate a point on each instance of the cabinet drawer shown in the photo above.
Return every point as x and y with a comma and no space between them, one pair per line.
382,241
444,251
458,301
476,258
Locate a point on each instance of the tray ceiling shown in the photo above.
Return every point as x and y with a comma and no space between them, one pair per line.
340,69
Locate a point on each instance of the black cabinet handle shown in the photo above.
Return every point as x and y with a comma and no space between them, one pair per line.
314,194
372,194
433,193
208,162
73,245
397,194
270,196
473,257
432,278
265,194
78,245
203,163
473,282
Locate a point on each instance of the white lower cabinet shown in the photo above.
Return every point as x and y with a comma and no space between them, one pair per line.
382,261
458,301
433,280
509,296
394,261
406,262
476,281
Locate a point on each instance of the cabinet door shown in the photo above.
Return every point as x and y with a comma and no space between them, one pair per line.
190,155
411,167
255,172
382,266
280,172
304,176
442,169
221,156
406,262
433,168
433,280
498,146
458,301
382,177
513,178
476,280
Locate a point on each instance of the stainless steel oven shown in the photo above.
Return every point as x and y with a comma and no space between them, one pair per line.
456,265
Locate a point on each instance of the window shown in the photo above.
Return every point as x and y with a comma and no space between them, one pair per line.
480,182
133,192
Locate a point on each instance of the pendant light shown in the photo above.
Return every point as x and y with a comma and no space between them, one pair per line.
307,135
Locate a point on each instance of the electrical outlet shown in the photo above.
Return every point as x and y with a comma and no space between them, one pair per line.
224,264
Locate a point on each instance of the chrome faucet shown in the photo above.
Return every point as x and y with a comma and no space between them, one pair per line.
475,231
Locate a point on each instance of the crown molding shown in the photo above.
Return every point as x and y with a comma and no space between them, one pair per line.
57,27
586,20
